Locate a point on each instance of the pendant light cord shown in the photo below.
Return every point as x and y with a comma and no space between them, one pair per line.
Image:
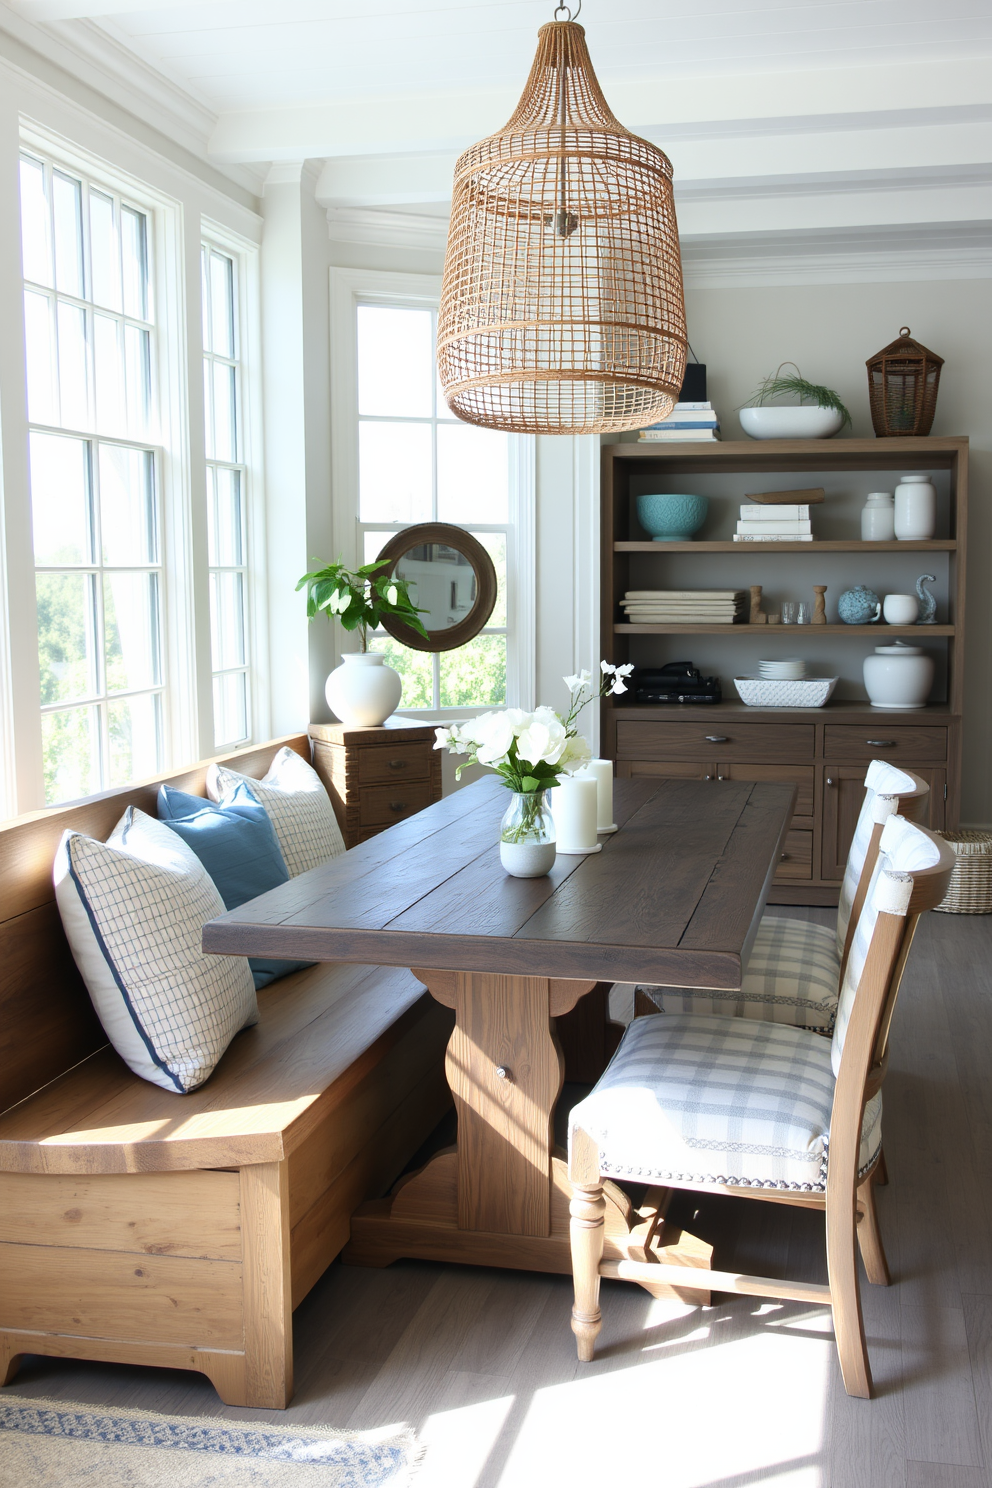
568,14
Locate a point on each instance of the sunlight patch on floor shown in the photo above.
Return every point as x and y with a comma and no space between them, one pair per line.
457,1442
720,1407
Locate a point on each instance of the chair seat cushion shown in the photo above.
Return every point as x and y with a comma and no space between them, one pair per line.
695,1099
792,978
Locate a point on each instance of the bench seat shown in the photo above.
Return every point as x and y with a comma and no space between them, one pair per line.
143,1227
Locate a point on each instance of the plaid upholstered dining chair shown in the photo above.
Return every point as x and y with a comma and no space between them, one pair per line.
762,1110
795,968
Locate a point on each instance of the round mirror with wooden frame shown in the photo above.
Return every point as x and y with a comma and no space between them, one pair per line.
451,580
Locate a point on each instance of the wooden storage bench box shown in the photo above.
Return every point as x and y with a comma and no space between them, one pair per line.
148,1228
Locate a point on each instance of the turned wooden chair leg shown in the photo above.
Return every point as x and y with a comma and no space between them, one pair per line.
845,1295
869,1236
586,1233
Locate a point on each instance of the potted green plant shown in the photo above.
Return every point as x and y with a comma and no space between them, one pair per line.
362,691
818,414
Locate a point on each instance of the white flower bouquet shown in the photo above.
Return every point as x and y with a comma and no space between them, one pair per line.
531,751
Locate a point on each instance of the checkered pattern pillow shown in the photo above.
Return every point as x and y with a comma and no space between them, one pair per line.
298,807
791,978
133,909
719,1100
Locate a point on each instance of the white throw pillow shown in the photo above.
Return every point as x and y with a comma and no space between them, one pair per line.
133,909
298,806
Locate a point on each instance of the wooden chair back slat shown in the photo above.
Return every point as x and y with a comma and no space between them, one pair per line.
914,806
47,1023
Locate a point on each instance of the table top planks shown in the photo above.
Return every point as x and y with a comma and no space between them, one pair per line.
674,897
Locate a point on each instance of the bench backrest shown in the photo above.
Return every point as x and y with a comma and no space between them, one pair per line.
47,1023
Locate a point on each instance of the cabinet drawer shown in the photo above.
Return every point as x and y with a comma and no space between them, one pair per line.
714,741
801,776
884,741
381,805
797,857
386,762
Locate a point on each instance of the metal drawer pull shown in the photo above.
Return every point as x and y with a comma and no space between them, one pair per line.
830,780
397,764
397,805
717,739
502,1073
881,743
784,858
709,777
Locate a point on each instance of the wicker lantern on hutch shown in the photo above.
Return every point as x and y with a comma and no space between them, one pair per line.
902,387
561,306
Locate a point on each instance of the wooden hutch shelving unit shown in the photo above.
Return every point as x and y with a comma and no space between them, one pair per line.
823,751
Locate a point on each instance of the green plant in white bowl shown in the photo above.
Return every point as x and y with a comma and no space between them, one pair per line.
818,413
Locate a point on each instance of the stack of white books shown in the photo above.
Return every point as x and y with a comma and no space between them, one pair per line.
687,421
774,524
686,606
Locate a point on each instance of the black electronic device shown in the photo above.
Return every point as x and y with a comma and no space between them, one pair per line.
678,682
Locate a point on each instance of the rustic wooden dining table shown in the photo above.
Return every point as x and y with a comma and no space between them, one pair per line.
674,897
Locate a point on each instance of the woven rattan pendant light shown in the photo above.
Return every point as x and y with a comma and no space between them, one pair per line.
561,308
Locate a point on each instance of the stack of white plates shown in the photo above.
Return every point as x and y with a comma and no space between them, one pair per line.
791,669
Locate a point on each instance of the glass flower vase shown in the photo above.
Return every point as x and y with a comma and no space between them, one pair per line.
527,835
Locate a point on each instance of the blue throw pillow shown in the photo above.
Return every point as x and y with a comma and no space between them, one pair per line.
238,847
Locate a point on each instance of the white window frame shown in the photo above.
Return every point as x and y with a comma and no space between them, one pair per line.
170,442
247,344
349,289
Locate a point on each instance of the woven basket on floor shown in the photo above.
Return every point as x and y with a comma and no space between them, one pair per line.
971,882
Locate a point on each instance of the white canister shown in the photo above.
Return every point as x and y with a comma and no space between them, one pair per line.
900,609
915,508
574,808
601,770
878,517
898,676
363,691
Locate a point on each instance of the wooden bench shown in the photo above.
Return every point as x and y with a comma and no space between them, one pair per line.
142,1227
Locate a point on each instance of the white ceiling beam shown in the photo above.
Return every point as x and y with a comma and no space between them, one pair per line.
434,122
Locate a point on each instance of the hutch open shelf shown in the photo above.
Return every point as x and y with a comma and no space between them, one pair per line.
823,751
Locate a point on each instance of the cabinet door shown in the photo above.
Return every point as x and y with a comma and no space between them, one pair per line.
663,770
801,776
843,793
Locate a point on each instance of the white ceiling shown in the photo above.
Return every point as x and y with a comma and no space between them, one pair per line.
257,54
798,127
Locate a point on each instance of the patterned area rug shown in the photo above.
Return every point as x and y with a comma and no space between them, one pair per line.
61,1444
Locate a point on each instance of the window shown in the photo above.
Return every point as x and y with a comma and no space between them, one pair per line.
94,480
226,498
418,463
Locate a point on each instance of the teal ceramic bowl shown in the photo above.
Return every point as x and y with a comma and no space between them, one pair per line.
672,518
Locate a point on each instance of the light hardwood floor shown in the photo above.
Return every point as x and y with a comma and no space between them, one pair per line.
482,1362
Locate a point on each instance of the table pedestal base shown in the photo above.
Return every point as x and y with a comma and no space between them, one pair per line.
420,1220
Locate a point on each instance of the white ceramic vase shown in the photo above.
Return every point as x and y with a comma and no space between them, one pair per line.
916,508
878,517
363,690
898,676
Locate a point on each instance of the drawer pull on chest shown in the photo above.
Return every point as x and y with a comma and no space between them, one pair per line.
397,805
401,764
502,1073
717,739
881,743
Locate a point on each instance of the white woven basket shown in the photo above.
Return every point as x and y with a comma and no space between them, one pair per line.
970,891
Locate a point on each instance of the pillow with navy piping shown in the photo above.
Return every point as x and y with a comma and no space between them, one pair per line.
133,909
237,845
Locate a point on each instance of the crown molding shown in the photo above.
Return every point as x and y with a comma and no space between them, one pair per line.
376,227
89,53
950,251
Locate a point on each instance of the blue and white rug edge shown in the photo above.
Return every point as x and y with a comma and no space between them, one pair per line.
379,1458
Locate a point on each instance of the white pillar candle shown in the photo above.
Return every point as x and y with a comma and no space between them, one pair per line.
601,770
574,811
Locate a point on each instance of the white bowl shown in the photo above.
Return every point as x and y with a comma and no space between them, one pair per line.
771,422
766,692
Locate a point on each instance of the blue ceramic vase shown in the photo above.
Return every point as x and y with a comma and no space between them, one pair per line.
859,606
672,518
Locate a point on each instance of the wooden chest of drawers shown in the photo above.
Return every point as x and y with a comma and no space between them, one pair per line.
825,761
376,776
